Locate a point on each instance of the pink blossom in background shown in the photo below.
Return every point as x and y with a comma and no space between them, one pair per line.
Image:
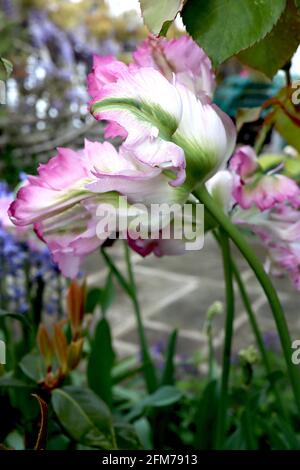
106,69
253,187
279,231
180,59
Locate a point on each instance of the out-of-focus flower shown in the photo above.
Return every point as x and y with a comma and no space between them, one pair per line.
279,230
254,187
24,261
220,187
180,58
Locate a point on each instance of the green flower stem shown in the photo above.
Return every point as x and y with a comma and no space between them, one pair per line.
254,326
223,402
130,289
265,282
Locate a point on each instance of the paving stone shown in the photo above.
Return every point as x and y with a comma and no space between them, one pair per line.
158,340
175,292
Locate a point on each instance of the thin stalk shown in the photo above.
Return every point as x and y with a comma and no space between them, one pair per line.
223,402
130,289
264,281
255,328
148,363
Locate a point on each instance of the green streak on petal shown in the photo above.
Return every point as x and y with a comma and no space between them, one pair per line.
148,112
200,163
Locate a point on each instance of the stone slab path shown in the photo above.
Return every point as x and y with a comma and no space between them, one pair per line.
175,292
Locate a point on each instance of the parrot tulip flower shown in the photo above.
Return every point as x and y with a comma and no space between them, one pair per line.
253,187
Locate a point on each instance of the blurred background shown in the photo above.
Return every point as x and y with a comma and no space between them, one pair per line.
51,45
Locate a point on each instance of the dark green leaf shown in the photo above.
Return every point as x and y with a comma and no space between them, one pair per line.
99,371
169,369
85,417
16,316
162,397
8,380
236,441
93,299
225,27
278,47
126,437
206,416
107,294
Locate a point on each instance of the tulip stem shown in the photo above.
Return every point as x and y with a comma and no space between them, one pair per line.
130,288
223,402
264,281
254,326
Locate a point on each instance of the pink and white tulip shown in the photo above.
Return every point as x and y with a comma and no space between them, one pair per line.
254,188
167,125
62,201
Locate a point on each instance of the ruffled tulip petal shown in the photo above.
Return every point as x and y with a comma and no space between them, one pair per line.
205,133
252,187
180,57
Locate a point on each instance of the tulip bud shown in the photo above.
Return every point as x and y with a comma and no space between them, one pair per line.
45,345
61,347
74,353
75,307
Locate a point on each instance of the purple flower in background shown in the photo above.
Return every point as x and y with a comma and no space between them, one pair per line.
271,341
25,264
9,8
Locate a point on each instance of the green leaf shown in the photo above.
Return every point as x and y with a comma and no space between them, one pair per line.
297,3
102,356
206,416
93,299
108,293
156,15
85,417
125,369
278,47
102,297
8,380
143,430
169,369
16,316
287,128
6,68
162,397
246,115
127,437
225,27
33,367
